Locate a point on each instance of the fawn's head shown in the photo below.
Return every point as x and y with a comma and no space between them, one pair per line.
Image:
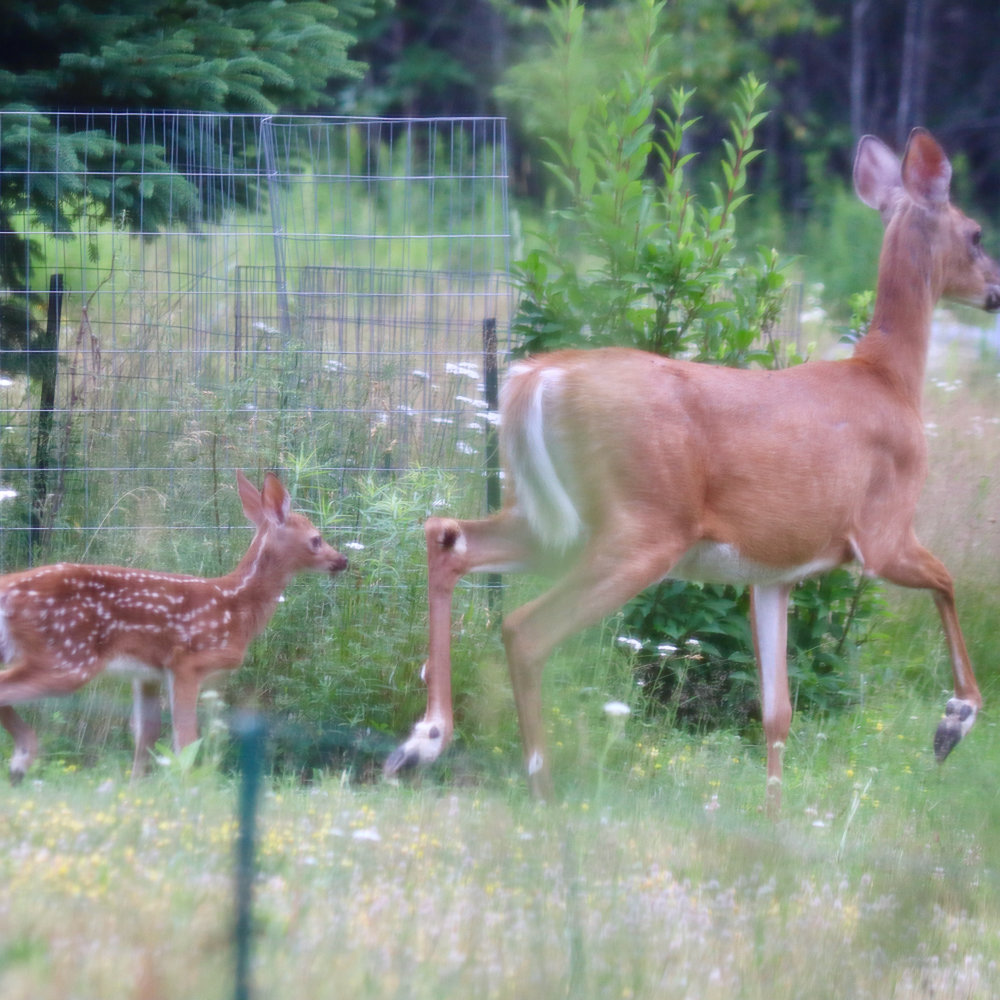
288,533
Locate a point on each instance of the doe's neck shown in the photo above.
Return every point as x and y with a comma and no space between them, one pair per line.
898,338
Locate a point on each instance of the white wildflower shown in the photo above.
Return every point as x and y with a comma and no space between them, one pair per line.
462,369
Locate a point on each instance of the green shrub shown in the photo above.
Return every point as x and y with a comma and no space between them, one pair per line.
636,257
843,238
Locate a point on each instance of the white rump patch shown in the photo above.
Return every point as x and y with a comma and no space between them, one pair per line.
542,497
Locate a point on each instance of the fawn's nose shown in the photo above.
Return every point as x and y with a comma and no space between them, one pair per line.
339,564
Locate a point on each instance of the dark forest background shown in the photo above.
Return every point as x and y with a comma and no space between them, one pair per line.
835,68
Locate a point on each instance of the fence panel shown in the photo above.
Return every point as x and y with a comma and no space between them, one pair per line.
236,292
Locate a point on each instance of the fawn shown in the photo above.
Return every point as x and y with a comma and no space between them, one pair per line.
61,625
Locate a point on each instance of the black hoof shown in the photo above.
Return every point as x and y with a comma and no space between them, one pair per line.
951,728
400,760
947,737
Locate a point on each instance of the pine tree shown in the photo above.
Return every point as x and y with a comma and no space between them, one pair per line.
195,55
198,55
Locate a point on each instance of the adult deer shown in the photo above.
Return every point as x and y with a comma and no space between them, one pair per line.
624,468
61,625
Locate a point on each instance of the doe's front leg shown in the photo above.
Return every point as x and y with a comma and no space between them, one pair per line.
447,548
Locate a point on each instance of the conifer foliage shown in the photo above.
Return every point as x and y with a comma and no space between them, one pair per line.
179,54
82,56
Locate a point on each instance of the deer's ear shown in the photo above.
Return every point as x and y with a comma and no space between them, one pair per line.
277,502
877,174
926,170
250,498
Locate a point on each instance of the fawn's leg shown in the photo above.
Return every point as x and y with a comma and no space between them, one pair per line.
147,723
25,742
19,683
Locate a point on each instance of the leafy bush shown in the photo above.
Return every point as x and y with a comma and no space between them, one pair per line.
694,652
636,257
650,266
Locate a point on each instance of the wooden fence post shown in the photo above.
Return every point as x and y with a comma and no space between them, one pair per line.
46,366
491,385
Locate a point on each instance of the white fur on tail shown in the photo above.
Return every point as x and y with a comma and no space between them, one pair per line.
542,495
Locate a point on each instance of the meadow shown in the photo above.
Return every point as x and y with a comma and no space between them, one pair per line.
653,873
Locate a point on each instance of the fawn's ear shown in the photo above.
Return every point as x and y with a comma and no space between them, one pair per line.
251,499
277,502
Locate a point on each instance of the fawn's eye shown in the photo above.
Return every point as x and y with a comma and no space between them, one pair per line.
316,542
977,237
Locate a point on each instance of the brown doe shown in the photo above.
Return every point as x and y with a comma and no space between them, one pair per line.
61,625
624,468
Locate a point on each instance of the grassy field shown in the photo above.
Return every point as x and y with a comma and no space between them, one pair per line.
654,875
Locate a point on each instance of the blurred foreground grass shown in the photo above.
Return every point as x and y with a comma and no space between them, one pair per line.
654,875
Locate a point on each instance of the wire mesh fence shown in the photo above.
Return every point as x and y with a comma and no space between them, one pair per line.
186,294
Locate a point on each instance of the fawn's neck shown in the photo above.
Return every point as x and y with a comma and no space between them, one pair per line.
256,584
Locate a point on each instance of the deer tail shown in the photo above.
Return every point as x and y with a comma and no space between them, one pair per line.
531,440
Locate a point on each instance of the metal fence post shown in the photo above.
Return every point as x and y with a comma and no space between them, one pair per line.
249,731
